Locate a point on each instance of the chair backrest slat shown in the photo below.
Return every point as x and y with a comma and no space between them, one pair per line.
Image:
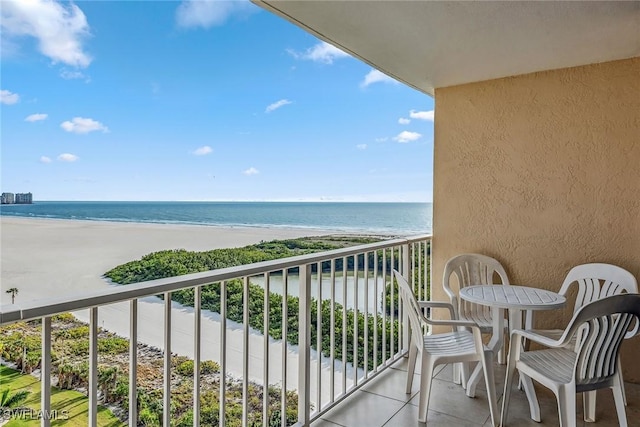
411,307
472,269
601,327
596,281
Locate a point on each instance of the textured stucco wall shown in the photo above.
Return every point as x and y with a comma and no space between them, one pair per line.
542,172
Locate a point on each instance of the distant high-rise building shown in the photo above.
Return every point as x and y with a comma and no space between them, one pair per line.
24,198
18,198
7,198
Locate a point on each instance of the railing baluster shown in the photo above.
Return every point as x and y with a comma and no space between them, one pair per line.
285,334
133,362
407,271
375,310
427,270
93,366
223,353
265,362
355,320
197,342
392,347
245,353
332,338
344,325
384,306
166,409
45,371
304,342
319,339
366,315
417,263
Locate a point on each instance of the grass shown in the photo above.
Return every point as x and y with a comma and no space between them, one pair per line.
72,407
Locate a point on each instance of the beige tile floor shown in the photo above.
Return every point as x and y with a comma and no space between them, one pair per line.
383,402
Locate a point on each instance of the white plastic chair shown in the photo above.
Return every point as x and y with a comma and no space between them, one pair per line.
595,281
600,328
463,344
472,269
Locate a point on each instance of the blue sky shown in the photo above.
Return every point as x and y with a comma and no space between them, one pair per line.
163,100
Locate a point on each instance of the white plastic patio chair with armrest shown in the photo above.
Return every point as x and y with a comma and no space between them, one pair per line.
594,281
600,328
472,269
463,344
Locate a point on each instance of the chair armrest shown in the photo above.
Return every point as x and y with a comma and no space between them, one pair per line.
457,323
541,339
438,304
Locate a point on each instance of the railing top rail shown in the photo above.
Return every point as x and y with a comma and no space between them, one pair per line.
41,308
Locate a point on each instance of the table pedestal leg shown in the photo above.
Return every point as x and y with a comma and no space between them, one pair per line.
495,344
524,382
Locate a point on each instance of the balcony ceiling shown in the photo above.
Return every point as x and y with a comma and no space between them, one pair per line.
432,44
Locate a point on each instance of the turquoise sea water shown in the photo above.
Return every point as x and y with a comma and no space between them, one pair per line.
398,219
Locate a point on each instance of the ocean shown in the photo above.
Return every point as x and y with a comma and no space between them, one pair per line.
395,219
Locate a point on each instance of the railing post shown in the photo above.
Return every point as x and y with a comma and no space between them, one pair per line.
133,362
197,325
45,372
166,405
407,274
304,343
93,366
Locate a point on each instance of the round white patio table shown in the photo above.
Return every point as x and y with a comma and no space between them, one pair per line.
515,299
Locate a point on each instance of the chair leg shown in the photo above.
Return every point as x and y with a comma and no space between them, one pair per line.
530,391
411,367
464,374
457,379
566,407
618,397
487,366
619,369
589,404
426,379
511,367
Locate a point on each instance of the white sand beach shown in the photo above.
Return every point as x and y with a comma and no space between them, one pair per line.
54,258
48,257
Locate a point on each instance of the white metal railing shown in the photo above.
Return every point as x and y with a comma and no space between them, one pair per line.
351,281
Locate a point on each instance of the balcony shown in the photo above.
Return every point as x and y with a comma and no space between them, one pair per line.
344,384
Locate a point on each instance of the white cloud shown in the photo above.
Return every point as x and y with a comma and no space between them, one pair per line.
68,157
322,52
59,29
385,139
72,75
209,13
406,136
422,115
404,121
8,97
375,76
277,105
45,159
81,125
204,150
36,117
251,171
361,146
